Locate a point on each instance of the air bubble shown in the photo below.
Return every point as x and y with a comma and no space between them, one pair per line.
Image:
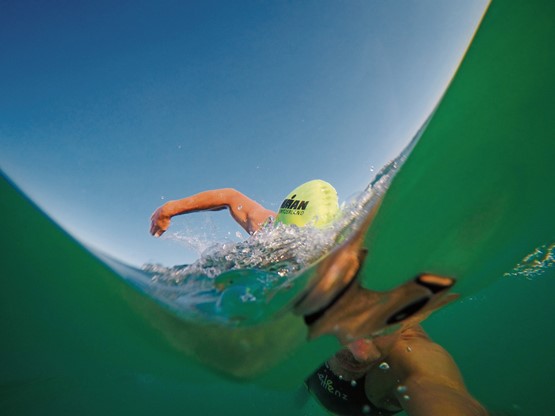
248,297
366,409
406,397
239,207
401,389
384,366
535,263
353,383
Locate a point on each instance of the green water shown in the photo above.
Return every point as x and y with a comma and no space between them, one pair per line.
76,339
475,196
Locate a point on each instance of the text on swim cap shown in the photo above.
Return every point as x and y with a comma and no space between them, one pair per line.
293,206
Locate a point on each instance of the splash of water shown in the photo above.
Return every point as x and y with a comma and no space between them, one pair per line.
277,247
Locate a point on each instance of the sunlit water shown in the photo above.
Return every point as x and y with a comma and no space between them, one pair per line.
536,263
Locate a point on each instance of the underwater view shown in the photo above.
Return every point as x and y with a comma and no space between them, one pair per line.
416,144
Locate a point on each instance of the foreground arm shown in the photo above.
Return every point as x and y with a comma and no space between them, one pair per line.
248,213
433,384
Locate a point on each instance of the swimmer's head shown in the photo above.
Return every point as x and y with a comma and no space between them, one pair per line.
313,202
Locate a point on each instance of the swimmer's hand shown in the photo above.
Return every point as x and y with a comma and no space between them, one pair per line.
159,221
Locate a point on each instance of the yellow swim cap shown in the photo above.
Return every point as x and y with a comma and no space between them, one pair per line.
313,202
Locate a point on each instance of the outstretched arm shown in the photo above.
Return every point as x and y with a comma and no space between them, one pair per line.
431,383
248,213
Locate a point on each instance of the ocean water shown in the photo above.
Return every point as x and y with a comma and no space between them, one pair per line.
502,339
75,338
71,341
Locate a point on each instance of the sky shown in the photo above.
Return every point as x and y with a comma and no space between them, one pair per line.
110,109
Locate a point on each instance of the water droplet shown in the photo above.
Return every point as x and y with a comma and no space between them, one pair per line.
366,409
248,297
353,383
239,207
162,197
402,389
409,349
372,168
384,366
406,397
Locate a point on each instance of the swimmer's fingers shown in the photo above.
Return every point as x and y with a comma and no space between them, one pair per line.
159,223
156,231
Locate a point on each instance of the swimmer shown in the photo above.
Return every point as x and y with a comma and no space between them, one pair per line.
401,371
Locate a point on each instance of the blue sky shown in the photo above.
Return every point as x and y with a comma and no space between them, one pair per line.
108,109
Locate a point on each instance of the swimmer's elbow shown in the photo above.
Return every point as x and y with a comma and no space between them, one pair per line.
229,195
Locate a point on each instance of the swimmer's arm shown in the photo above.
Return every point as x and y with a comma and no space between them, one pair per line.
434,384
429,398
248,213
